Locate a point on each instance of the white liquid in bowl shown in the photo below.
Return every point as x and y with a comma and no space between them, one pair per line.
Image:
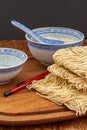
7,61
63,37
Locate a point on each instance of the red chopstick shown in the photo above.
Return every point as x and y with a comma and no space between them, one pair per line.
24,83
40,76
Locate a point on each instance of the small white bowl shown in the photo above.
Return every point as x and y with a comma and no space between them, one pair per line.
11,63
44,52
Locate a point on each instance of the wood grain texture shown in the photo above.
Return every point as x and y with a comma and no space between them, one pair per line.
26,108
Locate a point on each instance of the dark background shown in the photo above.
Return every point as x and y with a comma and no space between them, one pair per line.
41,13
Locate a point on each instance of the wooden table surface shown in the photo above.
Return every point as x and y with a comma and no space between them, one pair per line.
73,124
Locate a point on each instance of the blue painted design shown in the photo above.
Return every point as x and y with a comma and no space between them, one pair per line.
51,47
58,30
14,52
10,69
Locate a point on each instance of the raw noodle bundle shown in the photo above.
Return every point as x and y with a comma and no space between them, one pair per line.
61,92
79,82
74,59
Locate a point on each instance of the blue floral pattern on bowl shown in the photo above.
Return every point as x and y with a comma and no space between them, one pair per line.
11,63
44,52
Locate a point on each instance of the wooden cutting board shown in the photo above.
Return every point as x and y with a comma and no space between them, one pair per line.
26,107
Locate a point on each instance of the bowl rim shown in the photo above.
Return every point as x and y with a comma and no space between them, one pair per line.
17,50
37,29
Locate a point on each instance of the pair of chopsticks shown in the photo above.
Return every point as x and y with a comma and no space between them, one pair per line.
23,84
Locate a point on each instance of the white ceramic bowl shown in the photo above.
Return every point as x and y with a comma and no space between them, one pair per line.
11,63
44,52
